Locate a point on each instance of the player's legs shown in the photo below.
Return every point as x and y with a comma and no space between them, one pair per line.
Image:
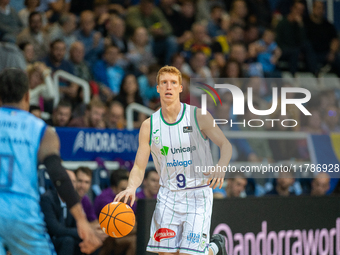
165,231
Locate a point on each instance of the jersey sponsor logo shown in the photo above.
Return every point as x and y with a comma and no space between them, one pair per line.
175,163
105,142
165,150
155,131
156,140
187,129
193,237
163,234
181,150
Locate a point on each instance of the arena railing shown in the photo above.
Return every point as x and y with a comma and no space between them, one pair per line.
138,108
72,78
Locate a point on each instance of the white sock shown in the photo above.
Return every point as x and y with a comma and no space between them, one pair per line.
214,248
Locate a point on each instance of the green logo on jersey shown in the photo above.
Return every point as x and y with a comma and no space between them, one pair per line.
164,151
155,131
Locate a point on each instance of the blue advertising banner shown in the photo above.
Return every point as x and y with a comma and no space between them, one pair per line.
78,144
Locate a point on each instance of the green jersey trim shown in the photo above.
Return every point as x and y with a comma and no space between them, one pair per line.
198,125
172,124
150,129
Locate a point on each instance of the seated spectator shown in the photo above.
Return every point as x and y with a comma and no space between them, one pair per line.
330,121
128,94
56,58
200,42
35,110
81,69
251,34
107,71
198,68
261,10
187,18
64,30
221,44
147,15
116,33
11,55
101,14
56,61
28,51
84,179
292,40
61,114
320,185
327,48
40,83
115,116
35,35
10,22
235,187
53,8
31,6
92,40
266,52
232,70
283,183
61,225
148,85
181,20
127,244
214,26
238,52
93,118
140,51
150,185
239,13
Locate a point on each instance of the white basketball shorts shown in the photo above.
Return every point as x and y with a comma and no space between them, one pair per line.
181,221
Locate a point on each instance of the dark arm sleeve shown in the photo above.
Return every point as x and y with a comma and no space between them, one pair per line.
61,180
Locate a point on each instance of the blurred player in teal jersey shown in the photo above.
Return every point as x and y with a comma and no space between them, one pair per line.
24,142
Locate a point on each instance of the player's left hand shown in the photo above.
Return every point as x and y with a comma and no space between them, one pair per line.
215,182
216,177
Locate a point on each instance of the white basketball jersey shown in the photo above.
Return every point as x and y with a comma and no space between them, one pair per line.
179,150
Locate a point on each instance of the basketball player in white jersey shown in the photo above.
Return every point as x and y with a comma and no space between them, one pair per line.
177,136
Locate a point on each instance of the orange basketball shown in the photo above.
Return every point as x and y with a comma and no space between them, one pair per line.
117,219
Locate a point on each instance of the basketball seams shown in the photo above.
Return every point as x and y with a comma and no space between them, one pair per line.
108,209
123,222
108,223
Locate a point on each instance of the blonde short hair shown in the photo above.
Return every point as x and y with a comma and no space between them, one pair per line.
171,70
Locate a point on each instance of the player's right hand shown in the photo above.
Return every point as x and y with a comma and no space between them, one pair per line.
90,241
125,195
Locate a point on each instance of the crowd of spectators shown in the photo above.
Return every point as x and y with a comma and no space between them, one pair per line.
118,47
